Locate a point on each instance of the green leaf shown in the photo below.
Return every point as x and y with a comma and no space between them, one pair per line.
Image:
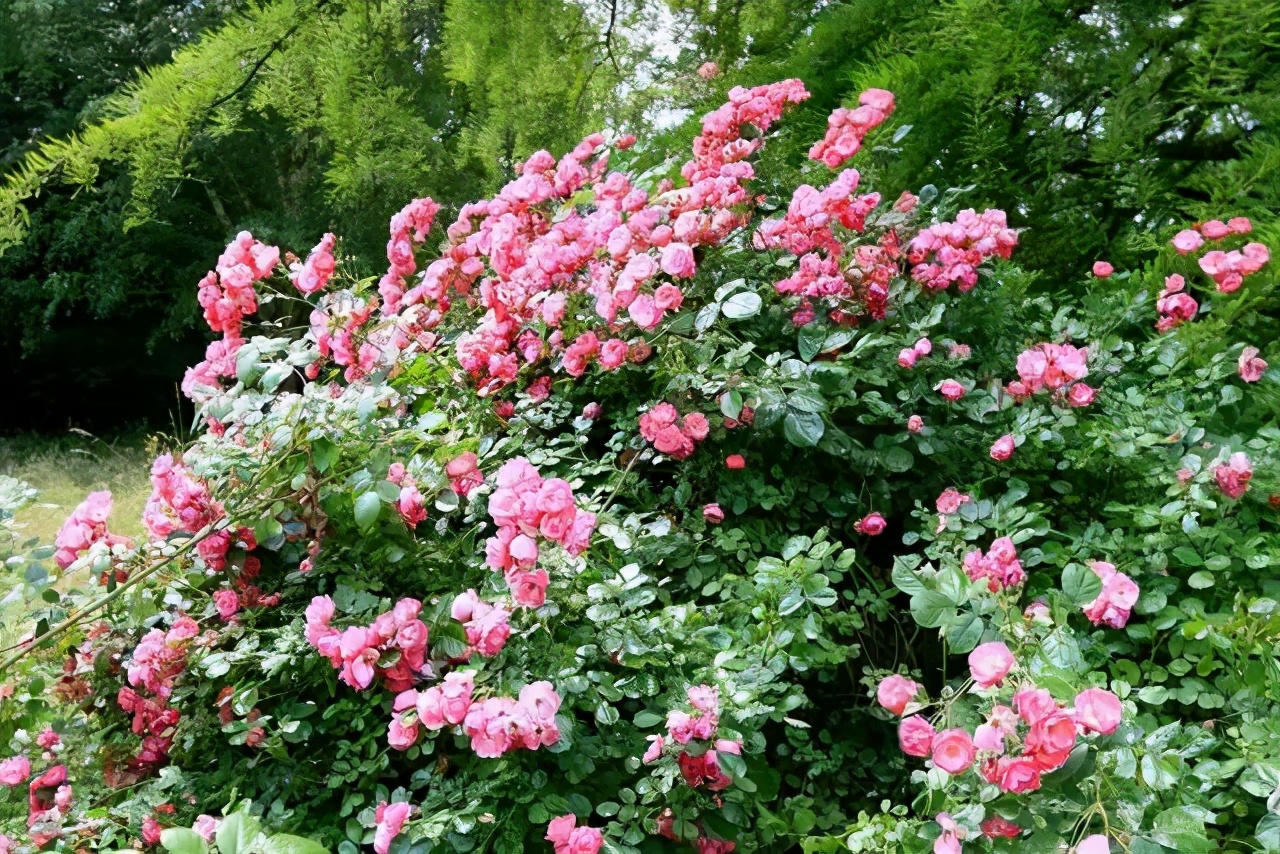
284,843
644,719
1200,580
1188,556
905,579
1080,583
930,608
742,305
367,508
897,459
183,840
964,632
802,429
809,341
1182,829
731,403
236,833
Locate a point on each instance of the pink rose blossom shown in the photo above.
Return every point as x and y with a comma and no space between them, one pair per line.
1003,448
1250,367
990,663
915,736
712,514
1098,710
1234,475
953,751
873,524
567,838
895,692
654,752
915,424
1102,269
1187,241
1095,844
907,358
735,461
14,771
390,819
951,390
1114,603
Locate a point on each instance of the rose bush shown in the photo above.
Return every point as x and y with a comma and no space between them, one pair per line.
654,506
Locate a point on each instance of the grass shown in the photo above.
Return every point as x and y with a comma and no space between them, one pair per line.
64,469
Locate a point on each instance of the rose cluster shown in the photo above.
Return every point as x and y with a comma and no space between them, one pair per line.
700,767
950,252
485,624
847,128
1000,566
1056,367
84,528
180,502
1175,305
227,295
394,647
663,427
1113,604
525,507
1016,744
313,274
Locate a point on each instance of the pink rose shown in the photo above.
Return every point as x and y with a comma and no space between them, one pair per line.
1095,844
895,692
227,603
1187,241
735,462
1113,604
1102,269
1233,476
948,842
654,753
150,831
1003,448
1081,395
1215,229
950,500
1251,368
528,588
990,663
923,347
14,771
907,357
1018,775
953,751
873,524
677,261
915,424
1239,225
712,514
915,736
401,737
951,390
998,827
390,819
1098,711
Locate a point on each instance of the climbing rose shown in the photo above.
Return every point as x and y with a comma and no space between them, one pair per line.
1234,475
1251,368
1098,710
990,663
894,692
872,525
953,751
1003,448
915,736
1102,269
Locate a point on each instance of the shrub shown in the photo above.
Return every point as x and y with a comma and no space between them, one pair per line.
618,522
